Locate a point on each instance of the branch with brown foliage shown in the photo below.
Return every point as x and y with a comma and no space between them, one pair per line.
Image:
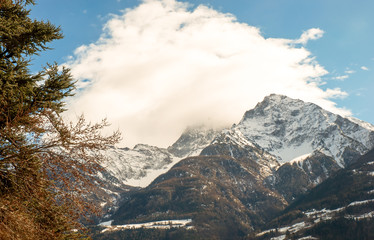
46,165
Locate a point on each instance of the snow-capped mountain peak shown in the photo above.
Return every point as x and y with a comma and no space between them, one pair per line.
289,128
192,141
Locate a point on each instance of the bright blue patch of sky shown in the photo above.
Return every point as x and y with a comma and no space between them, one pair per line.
346,49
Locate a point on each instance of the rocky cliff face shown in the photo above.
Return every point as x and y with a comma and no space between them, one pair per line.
295,178
339,208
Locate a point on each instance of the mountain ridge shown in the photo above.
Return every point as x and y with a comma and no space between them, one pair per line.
279,124
244,170
272,125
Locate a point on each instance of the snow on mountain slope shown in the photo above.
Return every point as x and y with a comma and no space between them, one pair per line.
286,128
192,141
290,128
235,140
138,166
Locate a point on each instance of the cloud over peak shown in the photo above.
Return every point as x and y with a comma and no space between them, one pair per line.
164,65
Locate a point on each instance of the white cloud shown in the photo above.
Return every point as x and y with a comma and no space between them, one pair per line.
311,34
162,66
365,68
350,71
343,77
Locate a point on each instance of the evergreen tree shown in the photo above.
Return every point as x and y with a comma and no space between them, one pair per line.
46,165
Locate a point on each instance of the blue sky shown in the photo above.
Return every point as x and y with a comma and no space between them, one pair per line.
345,50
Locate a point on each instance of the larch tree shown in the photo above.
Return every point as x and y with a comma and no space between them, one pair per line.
46,164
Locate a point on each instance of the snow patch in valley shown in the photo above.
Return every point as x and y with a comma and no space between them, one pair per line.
360,202
106,224
165,224
292,229
317,216
362,216
325,214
